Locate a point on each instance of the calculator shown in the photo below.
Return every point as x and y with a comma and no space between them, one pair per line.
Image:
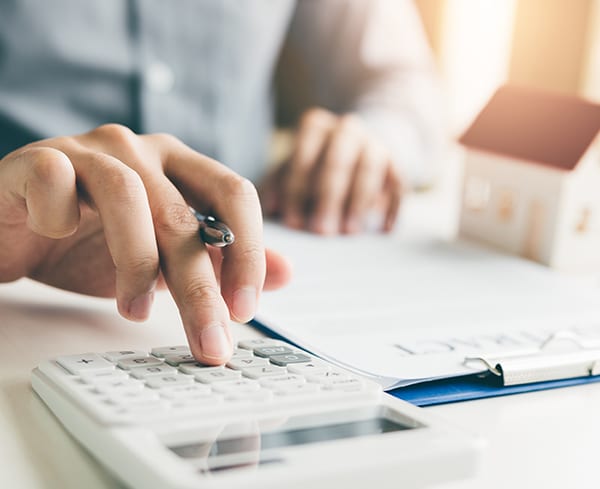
273,417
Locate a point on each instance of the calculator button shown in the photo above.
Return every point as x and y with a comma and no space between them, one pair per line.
195,368
350,384
327,377
161,381
193,407
91,377
143,372
251,344
119,386
128,363
240,353
179,358
263,371
142,412
272,382
115,356
127,397
309,368
85,362
163,351
148,405
242,363
196,404
269,351
233,386
261,395
190,391
288,358
217,375
296,389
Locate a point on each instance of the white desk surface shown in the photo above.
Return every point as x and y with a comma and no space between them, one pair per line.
548,439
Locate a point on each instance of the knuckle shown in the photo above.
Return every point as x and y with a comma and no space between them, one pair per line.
160,146
349,126
140,266
316,116
174,218
48,164
116,134
201,294
252,254
62,142
164,139
349,121
114,130
237,187
122,181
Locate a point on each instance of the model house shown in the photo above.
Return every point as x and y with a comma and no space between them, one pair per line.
532,177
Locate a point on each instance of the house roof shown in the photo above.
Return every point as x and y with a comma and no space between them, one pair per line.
534,125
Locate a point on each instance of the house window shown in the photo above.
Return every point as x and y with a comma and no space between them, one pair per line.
506,205
583,222
477,193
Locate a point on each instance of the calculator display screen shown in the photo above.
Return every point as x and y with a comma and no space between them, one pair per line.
254,446
315,434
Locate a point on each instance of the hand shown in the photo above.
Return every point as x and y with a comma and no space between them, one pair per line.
337,177
106,213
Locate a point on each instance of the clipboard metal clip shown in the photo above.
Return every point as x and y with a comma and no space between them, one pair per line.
552,361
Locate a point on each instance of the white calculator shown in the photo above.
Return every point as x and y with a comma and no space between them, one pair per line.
273,417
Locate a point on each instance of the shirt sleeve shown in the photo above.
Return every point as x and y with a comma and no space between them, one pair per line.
372,58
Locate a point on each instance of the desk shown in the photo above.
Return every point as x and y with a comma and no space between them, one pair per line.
547,439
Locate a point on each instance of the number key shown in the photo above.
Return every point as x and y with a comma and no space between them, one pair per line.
128,363
159,382
269,351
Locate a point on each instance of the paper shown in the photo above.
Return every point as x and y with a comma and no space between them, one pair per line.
406,308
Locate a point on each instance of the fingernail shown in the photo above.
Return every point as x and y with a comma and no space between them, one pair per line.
244,304
139,308
214,342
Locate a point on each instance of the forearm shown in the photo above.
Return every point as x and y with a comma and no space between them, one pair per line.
372,58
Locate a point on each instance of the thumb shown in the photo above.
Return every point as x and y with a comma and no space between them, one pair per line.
279,270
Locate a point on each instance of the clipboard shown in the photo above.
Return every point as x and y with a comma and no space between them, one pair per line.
476,386
562,360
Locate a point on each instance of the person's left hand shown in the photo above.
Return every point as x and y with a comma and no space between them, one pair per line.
337,177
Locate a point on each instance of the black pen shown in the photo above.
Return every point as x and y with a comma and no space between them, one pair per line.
213,232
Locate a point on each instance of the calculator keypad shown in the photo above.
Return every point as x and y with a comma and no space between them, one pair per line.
132,387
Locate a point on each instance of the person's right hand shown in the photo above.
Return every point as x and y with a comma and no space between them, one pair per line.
106,213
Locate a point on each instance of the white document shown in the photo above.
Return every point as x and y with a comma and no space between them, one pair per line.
405,309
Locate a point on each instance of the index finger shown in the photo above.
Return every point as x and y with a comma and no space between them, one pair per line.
215,189
313,133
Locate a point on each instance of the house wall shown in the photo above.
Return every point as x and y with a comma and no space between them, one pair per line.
577,240
528,226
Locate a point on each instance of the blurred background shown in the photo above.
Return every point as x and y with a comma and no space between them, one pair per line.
479,44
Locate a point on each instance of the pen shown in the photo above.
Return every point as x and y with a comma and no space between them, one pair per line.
213,232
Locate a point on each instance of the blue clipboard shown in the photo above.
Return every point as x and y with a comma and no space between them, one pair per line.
462,388
470,387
